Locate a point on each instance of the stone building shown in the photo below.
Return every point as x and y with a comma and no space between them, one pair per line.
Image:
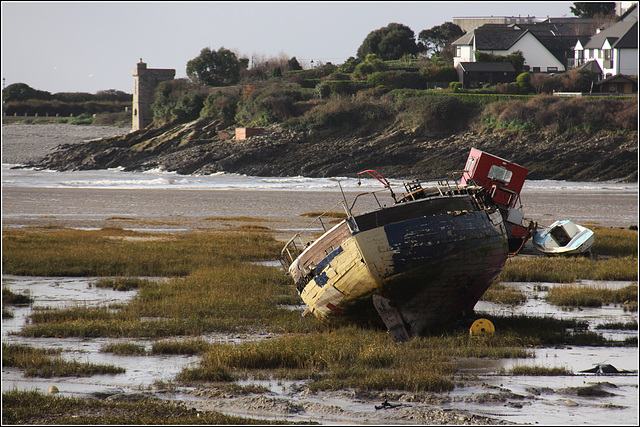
145,81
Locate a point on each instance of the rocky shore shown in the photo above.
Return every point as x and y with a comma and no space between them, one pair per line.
203,147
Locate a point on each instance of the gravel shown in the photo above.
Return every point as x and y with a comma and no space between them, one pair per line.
23,143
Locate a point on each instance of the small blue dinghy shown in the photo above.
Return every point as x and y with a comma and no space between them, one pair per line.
563,238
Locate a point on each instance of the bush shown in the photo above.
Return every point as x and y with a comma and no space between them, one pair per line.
558,114
221,105
323,90
347,115
178,99
578,80
523,83
270,102
434,114
455,86
508,88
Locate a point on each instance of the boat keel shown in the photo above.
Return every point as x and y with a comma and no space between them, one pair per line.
391,318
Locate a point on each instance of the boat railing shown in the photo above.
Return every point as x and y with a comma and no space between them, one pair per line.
297,244
451,183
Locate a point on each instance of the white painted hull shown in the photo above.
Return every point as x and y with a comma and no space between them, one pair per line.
564,238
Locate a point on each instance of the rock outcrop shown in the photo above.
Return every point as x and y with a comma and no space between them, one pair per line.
202,147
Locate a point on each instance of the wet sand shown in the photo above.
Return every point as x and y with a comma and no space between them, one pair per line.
200,210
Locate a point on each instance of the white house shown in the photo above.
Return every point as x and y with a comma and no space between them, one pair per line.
615,49
500,39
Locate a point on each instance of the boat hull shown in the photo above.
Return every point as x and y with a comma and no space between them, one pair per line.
431,259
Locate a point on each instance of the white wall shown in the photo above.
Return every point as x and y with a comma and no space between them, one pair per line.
535,54
627,61
466,55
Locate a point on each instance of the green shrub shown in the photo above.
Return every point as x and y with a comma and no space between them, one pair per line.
347,115
523,80
221,105
434,114
178,99
269,102
323,90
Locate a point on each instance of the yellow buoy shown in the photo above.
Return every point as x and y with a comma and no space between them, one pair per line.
53,389
482,327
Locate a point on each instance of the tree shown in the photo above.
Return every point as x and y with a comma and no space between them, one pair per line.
515,58
583,9
211,68
370,65
390,42
293,64
349,65
435,39
23,92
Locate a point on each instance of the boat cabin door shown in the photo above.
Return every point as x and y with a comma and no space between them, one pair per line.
501,178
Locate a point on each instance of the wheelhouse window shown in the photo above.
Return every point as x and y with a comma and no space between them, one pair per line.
498,173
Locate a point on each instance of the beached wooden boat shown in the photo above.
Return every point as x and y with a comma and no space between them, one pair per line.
563,238
425,260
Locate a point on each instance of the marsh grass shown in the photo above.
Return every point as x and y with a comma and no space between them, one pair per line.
590,296
337,215
250,228
121,283
230,297
501,294
615,242
615,258
539,371
49,363
623,326
236,218
175,346
545,330
567,270
351,357
124,349
12,298
32,407
106,252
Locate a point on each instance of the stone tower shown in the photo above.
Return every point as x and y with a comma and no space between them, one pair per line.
144,84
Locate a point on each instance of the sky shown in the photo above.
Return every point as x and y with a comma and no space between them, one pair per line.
93,46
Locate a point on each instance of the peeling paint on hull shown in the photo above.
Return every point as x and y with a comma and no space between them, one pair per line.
432,265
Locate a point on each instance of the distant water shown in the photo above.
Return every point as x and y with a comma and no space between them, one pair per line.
608,203
159,180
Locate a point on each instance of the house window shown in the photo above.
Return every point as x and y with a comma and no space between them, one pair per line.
552,69
536,69
458,51
580,54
